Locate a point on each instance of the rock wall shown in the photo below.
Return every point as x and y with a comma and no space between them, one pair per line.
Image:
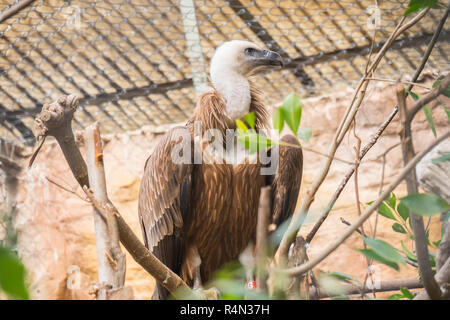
55,226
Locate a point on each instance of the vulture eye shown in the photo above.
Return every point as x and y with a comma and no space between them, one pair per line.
249,51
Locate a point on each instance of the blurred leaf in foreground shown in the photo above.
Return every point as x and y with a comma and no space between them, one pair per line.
425,204
12,275
443,158
292,112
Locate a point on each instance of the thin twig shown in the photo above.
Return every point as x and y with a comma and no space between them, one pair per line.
72,190
357,151
8,13
383,286
399,81
349,224
286,144
358,205
385,152
445,83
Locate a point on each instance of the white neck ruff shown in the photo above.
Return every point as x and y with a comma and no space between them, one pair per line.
235,89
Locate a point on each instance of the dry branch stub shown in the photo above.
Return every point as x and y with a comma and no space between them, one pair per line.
110,258
55,120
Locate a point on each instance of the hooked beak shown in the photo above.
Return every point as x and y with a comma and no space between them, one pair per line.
269,58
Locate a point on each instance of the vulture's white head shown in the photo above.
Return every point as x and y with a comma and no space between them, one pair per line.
232,64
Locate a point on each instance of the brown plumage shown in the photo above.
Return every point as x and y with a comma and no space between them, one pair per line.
210,209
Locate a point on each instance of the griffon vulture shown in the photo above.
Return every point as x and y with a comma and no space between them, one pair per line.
196,217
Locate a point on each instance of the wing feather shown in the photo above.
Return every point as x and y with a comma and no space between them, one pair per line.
159,194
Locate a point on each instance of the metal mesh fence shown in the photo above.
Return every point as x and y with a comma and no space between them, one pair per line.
135,62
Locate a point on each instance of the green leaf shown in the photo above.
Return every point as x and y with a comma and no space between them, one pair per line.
278,120
392,201
426,109
241,125
443,158
250,118
427,237
416,5
413,95
396,296
446,92
371,254
254,141
342,276
385,211
304,134
397,227
341,297
12,275
407,294
403,211
432,261
447,217
447,111
437,243
408,253
425,204
385,250
413,6
292,112
330,284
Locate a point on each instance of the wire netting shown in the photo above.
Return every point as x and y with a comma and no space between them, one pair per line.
131,64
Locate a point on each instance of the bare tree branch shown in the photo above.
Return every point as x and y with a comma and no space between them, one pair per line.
443,253
398,81
72,190
382,286
443,279
8,13
411,185
261,238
